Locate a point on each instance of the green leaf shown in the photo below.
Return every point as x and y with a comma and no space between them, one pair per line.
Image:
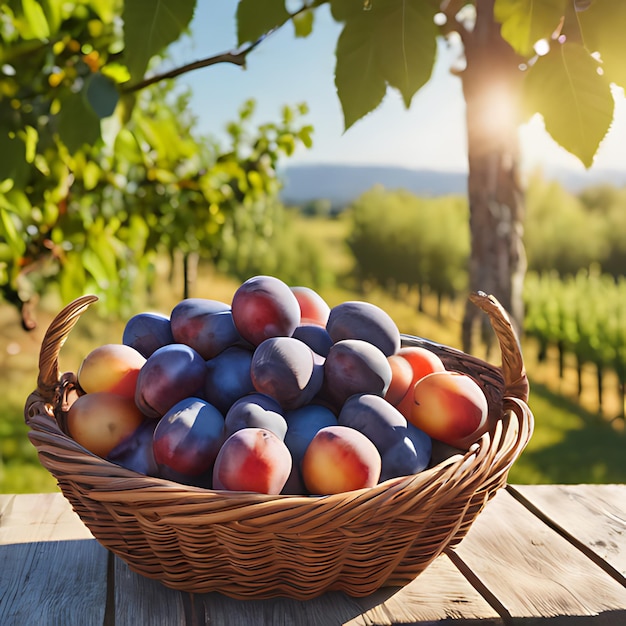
102,94
525,22
360,84
342,10
36,18
602,27
406,38
106,9
10,234
126,148
150,26
303,23
117,72
574,100
31,137
13,165
53,12
255,19
77,123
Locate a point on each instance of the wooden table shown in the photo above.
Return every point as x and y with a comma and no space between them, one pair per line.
547,553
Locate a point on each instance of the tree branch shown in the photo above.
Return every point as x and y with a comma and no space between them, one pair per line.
236,57
450,9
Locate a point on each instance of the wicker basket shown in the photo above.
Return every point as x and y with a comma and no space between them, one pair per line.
259,546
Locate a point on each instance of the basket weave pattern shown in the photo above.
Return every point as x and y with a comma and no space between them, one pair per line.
259,546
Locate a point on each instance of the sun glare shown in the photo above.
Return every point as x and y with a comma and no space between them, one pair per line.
500,110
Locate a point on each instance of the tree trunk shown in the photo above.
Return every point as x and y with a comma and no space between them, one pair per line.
491,86
190,273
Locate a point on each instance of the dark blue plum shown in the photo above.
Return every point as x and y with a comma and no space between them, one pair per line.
256,410
170,374
136,452
188,437
354,366
316,337
205,325
366,321
147,332
285,369
378,420
228,377
302,425
410,455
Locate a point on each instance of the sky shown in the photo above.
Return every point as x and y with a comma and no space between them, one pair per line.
286,70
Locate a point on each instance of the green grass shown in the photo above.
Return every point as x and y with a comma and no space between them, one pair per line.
569,445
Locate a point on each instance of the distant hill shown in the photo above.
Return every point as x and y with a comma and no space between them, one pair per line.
340,184
343,183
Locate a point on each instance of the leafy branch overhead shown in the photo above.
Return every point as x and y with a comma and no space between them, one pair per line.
383,44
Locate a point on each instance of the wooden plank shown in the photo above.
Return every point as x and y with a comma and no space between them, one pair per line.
439,593
141,600
52,583
50,566
39,517
594,515
527,568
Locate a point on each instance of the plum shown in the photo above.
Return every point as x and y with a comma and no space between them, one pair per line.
146,332
188,437
409,455
136,452
354,366
340,459
313,308
316,337
285,369
170,374
111,367
372,415
252,459
264,307
302,425
205,325
228,377
355,319
256,410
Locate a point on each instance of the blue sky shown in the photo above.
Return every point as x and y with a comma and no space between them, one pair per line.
285,70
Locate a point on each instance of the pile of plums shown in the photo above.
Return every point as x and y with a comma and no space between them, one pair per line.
273,393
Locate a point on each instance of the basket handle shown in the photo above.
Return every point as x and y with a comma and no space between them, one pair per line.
513,370
53,340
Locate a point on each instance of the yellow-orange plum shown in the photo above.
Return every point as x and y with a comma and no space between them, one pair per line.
100,421
340,458
401,379
410,364
421,360
450,407
111,367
